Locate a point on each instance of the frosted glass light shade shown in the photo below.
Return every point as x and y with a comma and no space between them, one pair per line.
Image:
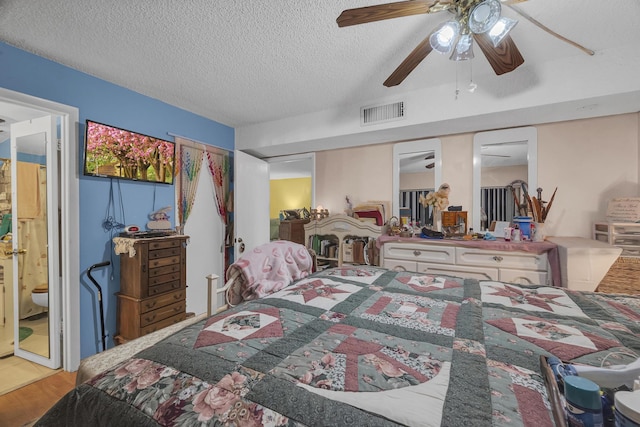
464,48
499,31
443,39
484,16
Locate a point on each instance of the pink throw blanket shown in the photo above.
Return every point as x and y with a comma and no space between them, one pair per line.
271,267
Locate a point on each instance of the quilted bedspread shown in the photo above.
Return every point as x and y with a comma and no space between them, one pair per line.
364,346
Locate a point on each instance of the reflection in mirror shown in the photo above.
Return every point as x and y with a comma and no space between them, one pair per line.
31,242
416,171
504,169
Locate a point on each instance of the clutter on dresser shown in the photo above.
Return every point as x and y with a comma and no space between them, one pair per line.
159,219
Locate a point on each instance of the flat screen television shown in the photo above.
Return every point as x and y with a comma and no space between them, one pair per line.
112,152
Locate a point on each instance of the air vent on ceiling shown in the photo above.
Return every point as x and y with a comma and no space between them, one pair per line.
382,113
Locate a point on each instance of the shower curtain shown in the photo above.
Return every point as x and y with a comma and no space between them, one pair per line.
32,233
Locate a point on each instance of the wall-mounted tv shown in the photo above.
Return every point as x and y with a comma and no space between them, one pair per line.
112,152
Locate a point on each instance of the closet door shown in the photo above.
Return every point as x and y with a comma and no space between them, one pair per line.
35,240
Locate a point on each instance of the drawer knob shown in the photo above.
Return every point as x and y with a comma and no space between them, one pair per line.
416,253
497,258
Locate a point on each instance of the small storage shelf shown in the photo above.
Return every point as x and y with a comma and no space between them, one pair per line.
625,235
333,239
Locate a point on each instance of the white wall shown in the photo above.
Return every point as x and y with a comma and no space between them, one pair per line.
363,173
590,161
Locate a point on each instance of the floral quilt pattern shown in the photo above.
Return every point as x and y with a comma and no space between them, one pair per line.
364,346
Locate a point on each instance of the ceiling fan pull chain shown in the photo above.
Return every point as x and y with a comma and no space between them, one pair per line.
457,90
472,85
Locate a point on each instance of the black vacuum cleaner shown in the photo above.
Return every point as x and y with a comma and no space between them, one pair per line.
102,264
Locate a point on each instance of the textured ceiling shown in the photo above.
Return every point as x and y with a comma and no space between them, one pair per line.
247,62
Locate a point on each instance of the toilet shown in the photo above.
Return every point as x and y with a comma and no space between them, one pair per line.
40,296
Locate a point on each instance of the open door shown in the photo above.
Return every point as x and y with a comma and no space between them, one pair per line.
251,203
35,240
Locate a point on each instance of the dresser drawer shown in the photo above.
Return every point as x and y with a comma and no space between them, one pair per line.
174,285
154,303
501,259
423,253
467,272
162,313
164,262
159,280
524,277
400,265
164,244
165,253
173,268
163,324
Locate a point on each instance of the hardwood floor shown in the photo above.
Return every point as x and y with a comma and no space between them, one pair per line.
23,406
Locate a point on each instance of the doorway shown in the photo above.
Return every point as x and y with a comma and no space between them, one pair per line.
16,107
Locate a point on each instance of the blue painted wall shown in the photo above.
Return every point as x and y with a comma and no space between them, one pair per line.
107,103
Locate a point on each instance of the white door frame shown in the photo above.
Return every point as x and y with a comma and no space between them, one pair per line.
70,230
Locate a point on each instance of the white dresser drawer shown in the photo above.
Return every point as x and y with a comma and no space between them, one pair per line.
524,277
400,265
420,253
479,273
501,259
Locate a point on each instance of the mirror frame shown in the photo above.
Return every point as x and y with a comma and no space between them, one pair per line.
431,144
528,134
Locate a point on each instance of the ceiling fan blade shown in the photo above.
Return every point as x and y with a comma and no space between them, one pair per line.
504,58
510,2
549,30
363,15
410,63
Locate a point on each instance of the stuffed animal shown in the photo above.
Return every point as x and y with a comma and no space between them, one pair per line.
159,219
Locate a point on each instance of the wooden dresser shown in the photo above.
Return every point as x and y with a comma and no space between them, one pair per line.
153,286
293,230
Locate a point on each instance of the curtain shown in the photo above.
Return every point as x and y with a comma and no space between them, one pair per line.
218,161
219,165
190,161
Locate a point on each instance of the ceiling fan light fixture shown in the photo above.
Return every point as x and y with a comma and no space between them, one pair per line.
443,39
484,16
499,31
464,48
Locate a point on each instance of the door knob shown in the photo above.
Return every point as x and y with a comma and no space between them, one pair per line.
241,250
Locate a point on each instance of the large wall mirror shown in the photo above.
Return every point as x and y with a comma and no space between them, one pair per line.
417,168
505,166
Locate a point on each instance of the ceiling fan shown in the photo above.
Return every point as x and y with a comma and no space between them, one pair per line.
473,20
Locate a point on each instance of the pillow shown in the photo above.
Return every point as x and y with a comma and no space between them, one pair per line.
370,214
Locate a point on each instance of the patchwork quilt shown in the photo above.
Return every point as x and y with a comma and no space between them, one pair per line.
364,346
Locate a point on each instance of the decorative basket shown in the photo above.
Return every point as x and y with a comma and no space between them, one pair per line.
623,277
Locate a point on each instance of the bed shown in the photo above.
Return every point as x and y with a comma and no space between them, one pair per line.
363,346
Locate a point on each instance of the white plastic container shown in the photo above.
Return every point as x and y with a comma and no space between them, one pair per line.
627,413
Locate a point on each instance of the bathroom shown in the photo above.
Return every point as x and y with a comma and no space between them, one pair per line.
32,259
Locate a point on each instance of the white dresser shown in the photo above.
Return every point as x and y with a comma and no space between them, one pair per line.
471,259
